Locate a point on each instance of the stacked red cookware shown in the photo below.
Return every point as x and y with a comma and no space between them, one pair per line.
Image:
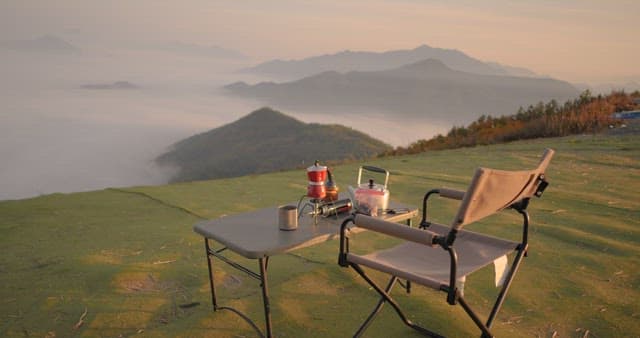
317,174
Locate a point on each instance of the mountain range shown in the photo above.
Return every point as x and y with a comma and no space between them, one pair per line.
118,85
43,44
371,61
426,89
213,51
265,141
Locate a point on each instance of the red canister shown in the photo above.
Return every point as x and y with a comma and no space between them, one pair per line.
317,173
316,190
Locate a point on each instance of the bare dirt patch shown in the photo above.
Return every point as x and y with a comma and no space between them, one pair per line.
130,282
295,310
312,284
110,257
131,320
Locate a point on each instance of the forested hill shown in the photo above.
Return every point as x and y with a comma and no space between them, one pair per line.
585,114
265,141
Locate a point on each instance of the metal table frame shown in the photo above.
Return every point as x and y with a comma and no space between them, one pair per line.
231,232
261,277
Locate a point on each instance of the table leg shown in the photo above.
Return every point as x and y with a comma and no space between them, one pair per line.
213,289
262,277
265,294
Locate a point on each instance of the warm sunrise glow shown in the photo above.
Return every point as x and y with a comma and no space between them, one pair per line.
578,41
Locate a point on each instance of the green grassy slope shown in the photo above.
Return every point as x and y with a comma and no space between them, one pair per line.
129,256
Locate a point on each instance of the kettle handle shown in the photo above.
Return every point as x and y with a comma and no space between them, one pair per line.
374,169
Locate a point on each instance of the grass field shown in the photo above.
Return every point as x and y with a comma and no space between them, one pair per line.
125,262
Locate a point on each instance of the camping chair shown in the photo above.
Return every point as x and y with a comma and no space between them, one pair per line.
439,256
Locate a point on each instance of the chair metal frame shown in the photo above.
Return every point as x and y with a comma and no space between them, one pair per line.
446,242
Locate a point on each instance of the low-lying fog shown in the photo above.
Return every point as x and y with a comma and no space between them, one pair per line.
56,136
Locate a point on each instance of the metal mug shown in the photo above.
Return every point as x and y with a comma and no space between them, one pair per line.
288,217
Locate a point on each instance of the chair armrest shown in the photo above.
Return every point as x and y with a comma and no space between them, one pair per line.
442,192
421,236
344,243
452,193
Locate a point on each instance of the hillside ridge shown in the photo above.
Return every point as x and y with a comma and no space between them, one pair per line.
263,141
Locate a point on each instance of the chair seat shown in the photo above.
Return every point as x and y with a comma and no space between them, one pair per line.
429,266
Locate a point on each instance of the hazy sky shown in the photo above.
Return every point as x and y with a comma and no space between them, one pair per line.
575,40
57,137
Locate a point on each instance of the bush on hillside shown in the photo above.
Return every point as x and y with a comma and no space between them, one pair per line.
585,114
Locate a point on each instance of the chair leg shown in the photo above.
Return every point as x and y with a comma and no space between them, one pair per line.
474,317
377,309
505,287
385,297
499,301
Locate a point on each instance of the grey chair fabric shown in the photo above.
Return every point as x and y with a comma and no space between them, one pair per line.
493,190
438,256
430,265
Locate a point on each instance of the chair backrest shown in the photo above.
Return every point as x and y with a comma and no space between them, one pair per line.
493,190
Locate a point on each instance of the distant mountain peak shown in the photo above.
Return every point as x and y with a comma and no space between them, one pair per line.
346,61
45,43
265,140
236,85
266,112
423,46
428,65
426,88
53,42
266,116
330,75
118,85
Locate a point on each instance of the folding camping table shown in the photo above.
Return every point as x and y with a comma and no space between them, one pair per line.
255,235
